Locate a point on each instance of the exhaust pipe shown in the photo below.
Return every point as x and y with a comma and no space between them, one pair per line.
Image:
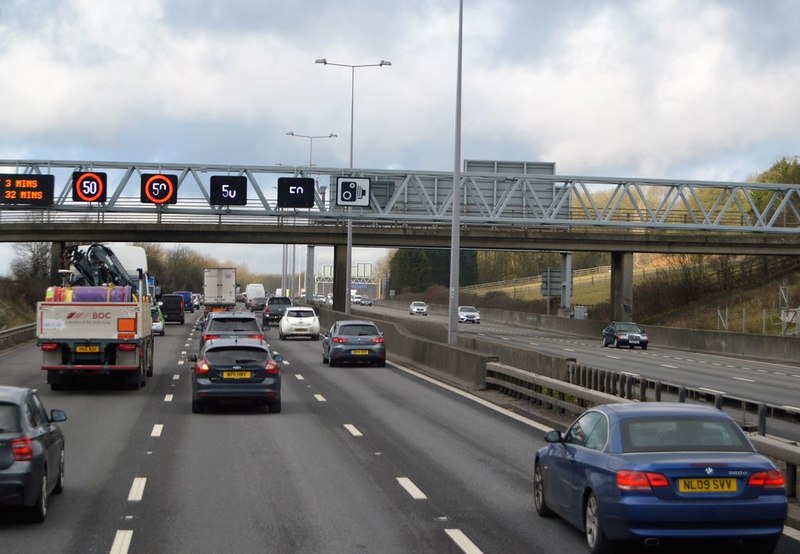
652,541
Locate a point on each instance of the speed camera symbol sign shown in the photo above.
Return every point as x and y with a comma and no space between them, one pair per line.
352,191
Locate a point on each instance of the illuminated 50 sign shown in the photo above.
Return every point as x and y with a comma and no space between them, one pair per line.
27,189
159,188
89,187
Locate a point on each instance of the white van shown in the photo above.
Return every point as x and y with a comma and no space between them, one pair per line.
254,290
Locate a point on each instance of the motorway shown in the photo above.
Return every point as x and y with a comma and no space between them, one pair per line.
359,460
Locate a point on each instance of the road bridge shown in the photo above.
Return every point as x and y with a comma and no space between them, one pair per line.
499,211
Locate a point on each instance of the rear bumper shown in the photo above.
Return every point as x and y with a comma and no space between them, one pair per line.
643,517
267,391
19,485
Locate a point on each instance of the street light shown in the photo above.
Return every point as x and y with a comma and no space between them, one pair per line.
353,68
310,142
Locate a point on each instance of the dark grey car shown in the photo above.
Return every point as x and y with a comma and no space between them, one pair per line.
31,452
354,341
236,369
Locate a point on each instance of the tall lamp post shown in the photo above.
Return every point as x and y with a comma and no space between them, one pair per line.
353,67
311,142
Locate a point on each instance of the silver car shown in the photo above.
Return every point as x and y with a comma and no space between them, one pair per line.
418,308
468,314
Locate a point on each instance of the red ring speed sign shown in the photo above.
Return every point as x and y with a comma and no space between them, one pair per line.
158,188
89,187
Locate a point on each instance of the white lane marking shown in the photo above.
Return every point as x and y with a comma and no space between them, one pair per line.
569,350
137,489
183,352
712,390
613,357
481,401
299,377
505,338
411,488
286,362
353,431
181,362
157,428
534,343
793,533
762,371
187,344
176,376
168,398
744,379
462,541
320,397
778,373
669,366
122,541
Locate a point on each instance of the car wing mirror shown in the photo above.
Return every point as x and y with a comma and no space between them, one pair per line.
553,436
58,415
191,357
278,358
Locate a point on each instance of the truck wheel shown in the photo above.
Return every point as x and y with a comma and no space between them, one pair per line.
56,386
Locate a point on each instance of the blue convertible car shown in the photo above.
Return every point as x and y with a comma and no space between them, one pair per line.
657,471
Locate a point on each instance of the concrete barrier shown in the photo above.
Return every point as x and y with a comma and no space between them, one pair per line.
17,335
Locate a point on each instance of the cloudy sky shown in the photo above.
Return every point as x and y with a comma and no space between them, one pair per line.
658,89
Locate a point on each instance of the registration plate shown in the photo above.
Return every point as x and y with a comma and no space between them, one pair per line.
360,352
235,374
707,485
87,348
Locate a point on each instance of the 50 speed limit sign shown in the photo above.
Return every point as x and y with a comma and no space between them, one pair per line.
88,186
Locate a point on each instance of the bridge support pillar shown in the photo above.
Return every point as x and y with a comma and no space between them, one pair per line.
341,287
622,286
310,273
56,255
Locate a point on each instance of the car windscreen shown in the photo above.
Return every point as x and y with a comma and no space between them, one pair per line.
670,434
9,418
299,313
230,325
358,330
236,355
468,309
628,328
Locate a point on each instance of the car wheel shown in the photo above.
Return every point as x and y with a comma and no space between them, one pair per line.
56,386
381,363
762,545
644,347
324,357
595,537
281,336
332,363
197,407
59,488
538,492
38,512
605,344
616,343
275,407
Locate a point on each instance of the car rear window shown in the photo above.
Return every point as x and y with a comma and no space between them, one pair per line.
682,435
358,330
300,313
230,324
9,418
236,355
279,300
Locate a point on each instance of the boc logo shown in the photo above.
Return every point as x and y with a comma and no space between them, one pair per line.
353,191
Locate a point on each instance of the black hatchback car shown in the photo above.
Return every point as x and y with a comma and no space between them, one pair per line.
236,369
31,452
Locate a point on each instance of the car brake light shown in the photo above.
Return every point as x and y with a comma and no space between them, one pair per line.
771,479
210,337
22,449
272,367
50,346
640,480
201,367
257,337
339,339
377,340
127,347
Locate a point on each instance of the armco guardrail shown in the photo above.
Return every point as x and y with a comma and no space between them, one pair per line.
553,393
16,335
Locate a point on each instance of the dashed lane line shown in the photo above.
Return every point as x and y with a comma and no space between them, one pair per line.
157,429
411,488
353,430
462,541
137,489
122,541
320,398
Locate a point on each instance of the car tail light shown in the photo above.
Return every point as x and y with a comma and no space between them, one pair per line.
259,336
50,346
340,339
640,480
377,340
127,347
272,367
210,337
22,449
771,479
201,367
